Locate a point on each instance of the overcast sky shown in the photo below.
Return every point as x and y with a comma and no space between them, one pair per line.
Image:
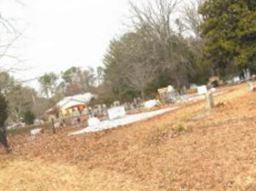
58,34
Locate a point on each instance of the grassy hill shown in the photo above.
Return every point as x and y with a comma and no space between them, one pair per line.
187,149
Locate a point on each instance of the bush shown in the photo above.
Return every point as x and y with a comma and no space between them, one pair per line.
29,118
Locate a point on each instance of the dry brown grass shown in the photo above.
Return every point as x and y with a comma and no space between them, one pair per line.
189,149
25,175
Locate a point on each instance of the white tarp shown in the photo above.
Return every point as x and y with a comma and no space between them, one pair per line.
202,90
116,112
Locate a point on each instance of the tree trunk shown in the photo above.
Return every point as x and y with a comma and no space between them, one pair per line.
142,93
3,139
53,126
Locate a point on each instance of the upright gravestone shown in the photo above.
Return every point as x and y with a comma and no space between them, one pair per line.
209,99
93,121
201,90
104,109
250,86
116,112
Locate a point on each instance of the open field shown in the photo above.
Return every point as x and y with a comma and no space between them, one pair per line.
187,149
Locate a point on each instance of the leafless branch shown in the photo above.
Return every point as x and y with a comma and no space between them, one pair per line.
192,18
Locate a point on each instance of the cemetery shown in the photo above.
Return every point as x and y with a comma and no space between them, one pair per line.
188,130
154,95
76,110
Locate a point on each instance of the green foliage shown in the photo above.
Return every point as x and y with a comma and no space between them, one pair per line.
6,82
229,31
48,83
29,117
68,74
20,100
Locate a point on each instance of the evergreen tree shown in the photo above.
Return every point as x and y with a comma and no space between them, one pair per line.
29,117
229,31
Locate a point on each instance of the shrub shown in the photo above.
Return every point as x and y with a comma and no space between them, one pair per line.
29,117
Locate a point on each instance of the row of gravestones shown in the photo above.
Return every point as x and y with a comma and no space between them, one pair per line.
102,110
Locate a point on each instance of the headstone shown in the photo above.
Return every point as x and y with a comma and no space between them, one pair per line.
209,100
250,86
236,79
57,124
201,90
213,90
100,110
170,88
247,74
116,112
93,121
90,112
151,103
35,132
38,122
116,103
126,106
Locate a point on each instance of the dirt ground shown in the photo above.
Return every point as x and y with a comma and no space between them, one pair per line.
188,149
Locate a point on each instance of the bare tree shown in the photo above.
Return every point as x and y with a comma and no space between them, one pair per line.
192,19
140,75
155,18
153,54
8,38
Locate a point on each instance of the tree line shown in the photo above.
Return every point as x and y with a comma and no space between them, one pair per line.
209,38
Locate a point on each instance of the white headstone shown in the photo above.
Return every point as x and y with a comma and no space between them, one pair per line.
202,90
251,87
236,79
116,112
34,132
93,121
151,103
170,89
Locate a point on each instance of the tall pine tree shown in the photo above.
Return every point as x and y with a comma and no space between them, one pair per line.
229,30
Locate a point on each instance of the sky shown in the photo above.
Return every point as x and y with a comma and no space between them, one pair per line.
58,34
